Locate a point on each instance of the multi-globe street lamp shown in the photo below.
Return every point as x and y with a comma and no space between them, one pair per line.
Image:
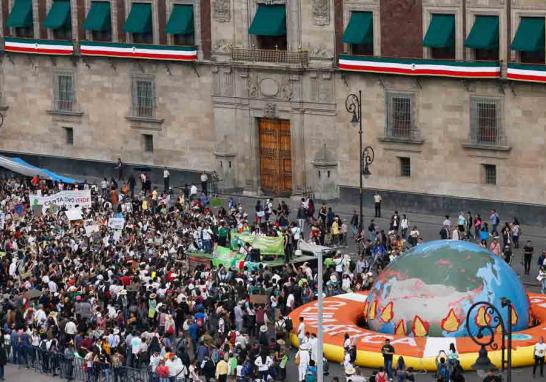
353,104
489,321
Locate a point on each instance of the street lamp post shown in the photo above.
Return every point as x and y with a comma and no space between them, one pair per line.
483,334
353,104
320,336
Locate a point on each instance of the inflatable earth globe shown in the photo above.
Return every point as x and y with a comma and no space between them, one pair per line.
429,290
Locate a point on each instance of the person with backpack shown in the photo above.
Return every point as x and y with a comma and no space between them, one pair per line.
162,371
442,374
208,369
311,374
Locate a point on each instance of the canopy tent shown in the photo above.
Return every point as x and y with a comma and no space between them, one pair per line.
22,167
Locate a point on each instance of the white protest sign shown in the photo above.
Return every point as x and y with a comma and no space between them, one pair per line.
74,214
2,220
116,223
68,199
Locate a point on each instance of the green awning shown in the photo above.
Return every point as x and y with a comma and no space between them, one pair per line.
484,33
181,20
360,29
98,19
140,19
530,35
20,15
270,20
59,15
441,32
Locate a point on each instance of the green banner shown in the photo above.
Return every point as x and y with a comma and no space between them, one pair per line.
268,245
226,257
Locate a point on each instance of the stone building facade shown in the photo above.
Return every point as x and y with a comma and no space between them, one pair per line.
453,94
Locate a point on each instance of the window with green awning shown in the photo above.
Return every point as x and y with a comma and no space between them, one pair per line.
139,19
441,32
530,35
98,18
359,29
181,20
59,16
20,15
270,20
484,33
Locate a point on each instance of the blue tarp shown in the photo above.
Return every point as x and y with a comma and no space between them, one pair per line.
44,172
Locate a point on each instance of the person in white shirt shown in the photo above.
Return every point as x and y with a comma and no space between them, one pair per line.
313,341
539,352
377,204
301,331
70,328
193,191
154,361
166,179
177,370
263,362
304,357
204,180
290,301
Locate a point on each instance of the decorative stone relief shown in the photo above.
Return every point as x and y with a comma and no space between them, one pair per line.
321,12
227,82
269,87
325,91
270,110
221,10
286,90
222,46
321,53
252,86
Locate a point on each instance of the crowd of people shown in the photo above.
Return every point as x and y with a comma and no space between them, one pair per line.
106,305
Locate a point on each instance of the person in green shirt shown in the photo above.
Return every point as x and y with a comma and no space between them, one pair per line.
232,366
223,233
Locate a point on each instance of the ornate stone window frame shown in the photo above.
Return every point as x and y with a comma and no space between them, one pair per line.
73,19
114,26
457,11
368,6
292,38
196,20
487,11
155,19
517,15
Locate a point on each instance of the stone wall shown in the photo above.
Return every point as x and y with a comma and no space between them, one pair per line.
183,132
444,164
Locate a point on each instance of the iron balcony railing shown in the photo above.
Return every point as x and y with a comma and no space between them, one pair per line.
300,57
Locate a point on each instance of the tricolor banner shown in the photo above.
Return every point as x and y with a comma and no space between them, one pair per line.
49,47
418,67
527,73
150,52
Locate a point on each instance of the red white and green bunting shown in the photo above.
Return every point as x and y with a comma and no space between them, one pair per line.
150,52
527,73
49,47
417,67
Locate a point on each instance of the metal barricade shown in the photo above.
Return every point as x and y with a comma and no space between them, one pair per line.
75,369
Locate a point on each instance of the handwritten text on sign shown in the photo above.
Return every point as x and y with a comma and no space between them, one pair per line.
68,199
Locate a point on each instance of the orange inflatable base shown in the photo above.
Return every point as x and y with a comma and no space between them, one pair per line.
341,314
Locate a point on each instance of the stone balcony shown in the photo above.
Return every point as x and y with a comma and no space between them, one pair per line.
276,56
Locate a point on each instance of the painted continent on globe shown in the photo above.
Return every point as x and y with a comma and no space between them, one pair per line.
429,290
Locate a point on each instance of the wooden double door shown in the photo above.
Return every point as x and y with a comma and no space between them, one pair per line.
275,156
